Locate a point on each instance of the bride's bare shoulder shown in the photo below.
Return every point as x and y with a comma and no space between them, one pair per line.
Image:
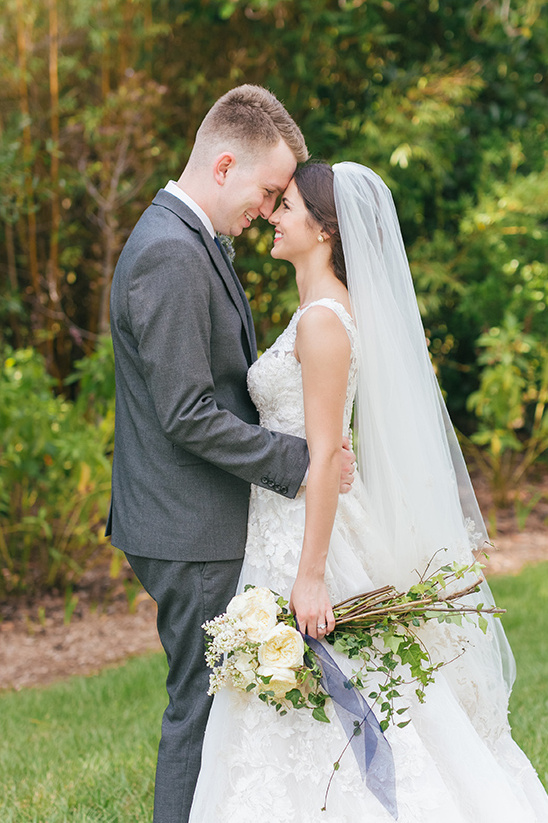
321,330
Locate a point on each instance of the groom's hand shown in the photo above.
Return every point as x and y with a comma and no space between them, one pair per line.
348,464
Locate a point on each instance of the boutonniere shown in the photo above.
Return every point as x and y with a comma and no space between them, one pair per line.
227,242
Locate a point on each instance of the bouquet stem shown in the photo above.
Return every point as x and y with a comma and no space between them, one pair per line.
388,604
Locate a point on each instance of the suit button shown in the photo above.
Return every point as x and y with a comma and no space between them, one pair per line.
277,487
284,490
271,484
264,479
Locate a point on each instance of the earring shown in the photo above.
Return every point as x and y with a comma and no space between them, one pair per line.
321,238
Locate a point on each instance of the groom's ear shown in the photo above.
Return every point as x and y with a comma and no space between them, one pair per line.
222,164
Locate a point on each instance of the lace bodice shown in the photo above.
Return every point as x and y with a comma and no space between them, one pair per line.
274,380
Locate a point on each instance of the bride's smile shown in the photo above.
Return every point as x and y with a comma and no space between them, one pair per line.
296,232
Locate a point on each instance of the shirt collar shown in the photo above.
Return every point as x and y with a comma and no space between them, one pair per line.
177,191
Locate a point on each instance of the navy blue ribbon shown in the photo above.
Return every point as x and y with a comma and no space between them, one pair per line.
371,748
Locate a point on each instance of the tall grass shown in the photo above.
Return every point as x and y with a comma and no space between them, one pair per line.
84,751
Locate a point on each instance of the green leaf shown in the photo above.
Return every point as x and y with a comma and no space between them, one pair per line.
294,696
319,714
393,642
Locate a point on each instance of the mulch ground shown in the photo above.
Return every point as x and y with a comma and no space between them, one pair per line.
41,641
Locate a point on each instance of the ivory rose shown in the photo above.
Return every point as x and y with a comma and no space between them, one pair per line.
257,610
281,680
282,648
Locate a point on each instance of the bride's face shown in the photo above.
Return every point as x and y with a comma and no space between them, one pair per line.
296,232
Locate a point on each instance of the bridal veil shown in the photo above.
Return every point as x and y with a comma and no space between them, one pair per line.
419,493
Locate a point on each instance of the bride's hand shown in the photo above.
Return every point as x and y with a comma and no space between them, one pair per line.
310,604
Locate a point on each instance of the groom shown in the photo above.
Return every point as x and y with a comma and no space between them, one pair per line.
187,439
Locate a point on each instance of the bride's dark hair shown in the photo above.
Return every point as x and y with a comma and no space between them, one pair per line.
315,184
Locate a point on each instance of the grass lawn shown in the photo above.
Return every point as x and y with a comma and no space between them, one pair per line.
84,750
525,597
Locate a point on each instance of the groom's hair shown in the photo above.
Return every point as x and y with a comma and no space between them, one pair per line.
249,118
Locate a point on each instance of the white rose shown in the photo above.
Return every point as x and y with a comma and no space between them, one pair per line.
236,606
281,680
257,610
259,595
282,648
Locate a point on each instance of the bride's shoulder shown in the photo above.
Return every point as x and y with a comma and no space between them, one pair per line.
323,324
335,304
327,312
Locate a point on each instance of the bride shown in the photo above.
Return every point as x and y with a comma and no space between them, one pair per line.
358,331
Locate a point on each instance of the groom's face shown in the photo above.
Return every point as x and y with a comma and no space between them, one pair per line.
251,188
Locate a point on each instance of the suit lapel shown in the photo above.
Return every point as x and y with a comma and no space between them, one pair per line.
224,267
220,262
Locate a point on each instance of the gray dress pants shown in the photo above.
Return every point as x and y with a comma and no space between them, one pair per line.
187,595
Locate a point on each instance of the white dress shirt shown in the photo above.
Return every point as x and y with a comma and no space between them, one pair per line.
177,191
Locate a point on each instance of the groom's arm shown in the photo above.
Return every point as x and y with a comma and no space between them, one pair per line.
169,315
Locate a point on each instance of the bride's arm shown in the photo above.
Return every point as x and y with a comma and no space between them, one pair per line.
323,349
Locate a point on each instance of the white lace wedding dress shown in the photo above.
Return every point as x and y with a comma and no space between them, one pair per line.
258,766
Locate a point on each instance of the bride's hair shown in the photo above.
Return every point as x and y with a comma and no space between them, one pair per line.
315,184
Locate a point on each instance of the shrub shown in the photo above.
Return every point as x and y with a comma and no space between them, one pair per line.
511,405
54,477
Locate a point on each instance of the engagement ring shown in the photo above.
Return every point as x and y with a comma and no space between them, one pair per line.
321,626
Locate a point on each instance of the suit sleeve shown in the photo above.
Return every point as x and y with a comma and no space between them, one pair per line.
169,318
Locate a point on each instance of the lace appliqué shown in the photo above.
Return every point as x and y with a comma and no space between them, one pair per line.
274,380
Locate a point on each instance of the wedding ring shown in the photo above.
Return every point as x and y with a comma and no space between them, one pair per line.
321,626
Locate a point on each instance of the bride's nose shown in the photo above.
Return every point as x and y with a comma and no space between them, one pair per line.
274,217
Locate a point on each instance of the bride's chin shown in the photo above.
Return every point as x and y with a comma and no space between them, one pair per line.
274,252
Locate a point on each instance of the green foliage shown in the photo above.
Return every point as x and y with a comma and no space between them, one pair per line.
511,404
54,478
94,378
379,630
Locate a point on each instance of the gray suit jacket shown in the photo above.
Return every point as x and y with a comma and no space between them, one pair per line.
187,439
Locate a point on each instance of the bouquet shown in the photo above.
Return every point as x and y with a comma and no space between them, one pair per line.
262,651
255,645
